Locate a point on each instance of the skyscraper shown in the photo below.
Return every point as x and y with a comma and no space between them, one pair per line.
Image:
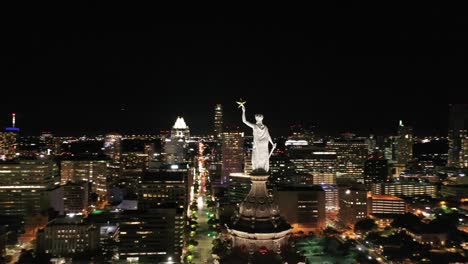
232,150
351,153
404,146
353,205
23,185
174,147
376,169
320,164
8,144
218,120
112,146
457,135
303,206
93,171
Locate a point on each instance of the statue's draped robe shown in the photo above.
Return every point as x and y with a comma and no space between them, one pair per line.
260,152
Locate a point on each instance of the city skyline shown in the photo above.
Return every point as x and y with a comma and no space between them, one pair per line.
134,118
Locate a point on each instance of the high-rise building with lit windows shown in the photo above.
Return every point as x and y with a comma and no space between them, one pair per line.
405,188
239,186
351,153
331,197
317,166
303,206
67,236
165,186
71,198
386,204
376,169
112,146
8,145
457,135
232,150
353,205
151,235
404,144
24,185
93,171
175,145
218,120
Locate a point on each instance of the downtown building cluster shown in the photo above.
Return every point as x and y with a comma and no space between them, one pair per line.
128,198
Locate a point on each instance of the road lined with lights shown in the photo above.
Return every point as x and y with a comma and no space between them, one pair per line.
204,237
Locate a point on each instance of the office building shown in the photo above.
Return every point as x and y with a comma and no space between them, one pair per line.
232,150
218,120
331,197
457,134
376,169
353,205
165,186
404,188
404,144
316,166
8,145
112,147
67,236
302,206
175,146
24,185
351,154
70,198
151,235
239,187
93,171
385,204
136,154
282,172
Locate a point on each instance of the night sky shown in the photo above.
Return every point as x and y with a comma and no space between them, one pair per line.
340,68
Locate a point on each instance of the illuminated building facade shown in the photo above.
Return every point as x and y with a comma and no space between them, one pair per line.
376,170
24,185
464,153
385,204
353,205
239,187
175,146
404,144
404,189
71,198
112,146
8,145
151,235
302,206
282,172
232,150
351,154
163,187
218,120
67,236
95,172
319,165
457,134
331,197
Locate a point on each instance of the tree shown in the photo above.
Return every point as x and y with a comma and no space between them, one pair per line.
365,225
408,220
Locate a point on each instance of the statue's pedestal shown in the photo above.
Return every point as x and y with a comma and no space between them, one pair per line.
258,224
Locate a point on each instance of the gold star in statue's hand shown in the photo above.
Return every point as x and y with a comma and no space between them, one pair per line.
241,103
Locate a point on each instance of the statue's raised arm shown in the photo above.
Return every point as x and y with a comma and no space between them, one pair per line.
261,140
245,119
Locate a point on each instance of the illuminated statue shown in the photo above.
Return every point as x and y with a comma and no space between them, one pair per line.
261,138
